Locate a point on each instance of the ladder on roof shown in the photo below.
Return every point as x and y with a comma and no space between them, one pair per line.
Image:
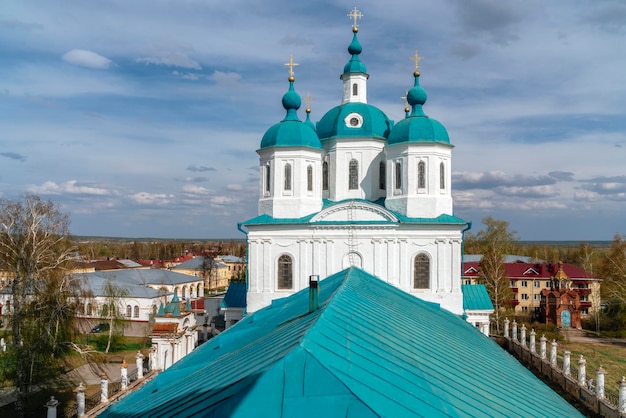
352,244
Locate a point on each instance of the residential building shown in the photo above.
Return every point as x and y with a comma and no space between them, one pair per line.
528,280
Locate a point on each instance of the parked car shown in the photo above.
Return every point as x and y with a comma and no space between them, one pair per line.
100,327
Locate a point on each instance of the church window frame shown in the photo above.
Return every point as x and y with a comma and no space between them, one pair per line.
382,175
129,311
136,311
355,89
442,176
309,178
325,176
353,175
398,175
421,272
268,178
284,272
287,179
421,175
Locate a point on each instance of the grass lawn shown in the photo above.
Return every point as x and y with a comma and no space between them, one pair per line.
612,358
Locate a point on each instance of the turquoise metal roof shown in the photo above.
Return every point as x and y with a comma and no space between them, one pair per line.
355,65
370,350
269,220
235,296
418,127
375,122
476,297
291,132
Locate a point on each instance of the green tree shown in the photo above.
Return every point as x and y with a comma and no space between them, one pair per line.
113,310
35,247
495,241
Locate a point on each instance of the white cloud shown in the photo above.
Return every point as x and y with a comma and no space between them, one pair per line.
156,199
89,59
171,59
196,190
69,187
225,79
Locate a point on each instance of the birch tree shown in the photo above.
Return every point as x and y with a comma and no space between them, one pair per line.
35,250
496,241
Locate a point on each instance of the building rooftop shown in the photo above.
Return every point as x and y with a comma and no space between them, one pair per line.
369,350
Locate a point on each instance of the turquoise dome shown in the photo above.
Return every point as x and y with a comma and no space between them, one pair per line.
417,127
354,65
374,122
291,132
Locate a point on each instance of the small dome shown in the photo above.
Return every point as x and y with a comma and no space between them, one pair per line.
354,65
291,132
417,127
372,122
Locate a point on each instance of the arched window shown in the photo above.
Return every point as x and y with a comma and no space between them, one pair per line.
287,176
355,89
353,175
421,272
268,177
442,176
382,175
325,175
398,172
129,311
421,175
136,312
90,309
309,178
105,311
285,272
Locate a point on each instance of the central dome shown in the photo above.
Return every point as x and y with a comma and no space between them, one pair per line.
371,122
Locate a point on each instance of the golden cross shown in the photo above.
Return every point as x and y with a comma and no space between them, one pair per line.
308,100
417,60
406,102
355,14
291,64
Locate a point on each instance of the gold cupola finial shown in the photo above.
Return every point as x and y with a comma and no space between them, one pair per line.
291,64
417,58
355,14
308,99
407,109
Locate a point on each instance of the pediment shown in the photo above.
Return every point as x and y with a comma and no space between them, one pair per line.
531,271
355,211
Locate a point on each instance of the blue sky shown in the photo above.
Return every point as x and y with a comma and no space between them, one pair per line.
141,118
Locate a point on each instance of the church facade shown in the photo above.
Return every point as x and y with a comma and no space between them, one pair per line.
356,189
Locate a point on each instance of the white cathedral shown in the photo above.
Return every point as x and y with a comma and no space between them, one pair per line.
356,189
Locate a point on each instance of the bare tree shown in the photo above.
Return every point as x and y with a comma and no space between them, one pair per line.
35,248
208,269
496,241
613,271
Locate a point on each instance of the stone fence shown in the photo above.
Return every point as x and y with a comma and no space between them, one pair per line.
95,404
572,380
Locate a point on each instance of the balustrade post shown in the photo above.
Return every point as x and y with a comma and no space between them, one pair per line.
523,335
533,344
514,332
600,382
80,400
542,346
52,407
566,363
553,353
124,375
139,363
622,394
104,389
582,373
506,328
